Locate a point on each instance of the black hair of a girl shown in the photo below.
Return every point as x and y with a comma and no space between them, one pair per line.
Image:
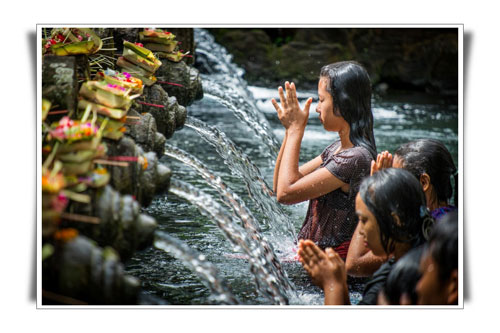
430,156
350,87
443,245
404,277
396,191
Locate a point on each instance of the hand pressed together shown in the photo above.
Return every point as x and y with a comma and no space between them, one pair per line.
384,161
324,267
290,114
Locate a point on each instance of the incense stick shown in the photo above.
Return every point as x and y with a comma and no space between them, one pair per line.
81,218
106,162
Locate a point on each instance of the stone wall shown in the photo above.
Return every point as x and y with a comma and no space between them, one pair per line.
424,59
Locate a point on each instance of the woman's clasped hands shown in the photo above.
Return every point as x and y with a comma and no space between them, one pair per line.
324,267
290,114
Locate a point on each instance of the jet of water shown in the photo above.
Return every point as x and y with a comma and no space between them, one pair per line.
268,283
225,84
280,225
238,207
197,262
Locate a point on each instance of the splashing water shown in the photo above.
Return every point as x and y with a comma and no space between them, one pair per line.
261,265
280,225
207,272
245,113
238,207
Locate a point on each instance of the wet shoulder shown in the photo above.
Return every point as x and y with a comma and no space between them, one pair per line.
357,154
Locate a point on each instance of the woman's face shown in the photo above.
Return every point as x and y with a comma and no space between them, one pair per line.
330,121
429,289
369,229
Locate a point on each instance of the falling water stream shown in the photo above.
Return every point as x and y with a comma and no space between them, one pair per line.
244,237
243,167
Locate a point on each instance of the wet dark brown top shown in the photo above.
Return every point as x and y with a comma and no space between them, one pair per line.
331,218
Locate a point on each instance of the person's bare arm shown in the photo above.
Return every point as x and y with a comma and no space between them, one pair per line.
304,169
277,165
360,261
310,166
292,186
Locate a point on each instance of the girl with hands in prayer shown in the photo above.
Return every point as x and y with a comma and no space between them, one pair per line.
331,180
390,206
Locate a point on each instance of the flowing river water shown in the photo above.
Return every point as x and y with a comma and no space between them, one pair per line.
235,245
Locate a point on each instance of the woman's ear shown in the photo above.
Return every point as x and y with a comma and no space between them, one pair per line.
453,288
396,218
425,181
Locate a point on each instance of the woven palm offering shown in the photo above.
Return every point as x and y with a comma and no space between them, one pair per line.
109,95
72,41
163,43
123,79
139,62
76,143
109,101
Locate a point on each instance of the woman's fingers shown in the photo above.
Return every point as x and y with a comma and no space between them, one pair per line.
317,252
282,98
372,168
309,254
308,105
288,93
276,106
293,94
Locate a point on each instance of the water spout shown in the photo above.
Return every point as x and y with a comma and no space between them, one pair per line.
197,262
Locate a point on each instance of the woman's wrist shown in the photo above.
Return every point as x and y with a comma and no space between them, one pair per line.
335,292
295,130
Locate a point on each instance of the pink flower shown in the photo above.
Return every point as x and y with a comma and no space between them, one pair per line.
65,122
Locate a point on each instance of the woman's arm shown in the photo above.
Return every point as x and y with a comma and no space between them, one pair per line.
304,169
360,261
292,186
310,166
277,165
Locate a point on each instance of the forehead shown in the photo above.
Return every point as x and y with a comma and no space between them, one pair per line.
360,205
322,84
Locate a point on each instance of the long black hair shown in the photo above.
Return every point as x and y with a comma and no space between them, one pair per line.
396,191
404,277
430,156
349,85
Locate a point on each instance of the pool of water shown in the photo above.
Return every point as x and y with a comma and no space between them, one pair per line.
398,118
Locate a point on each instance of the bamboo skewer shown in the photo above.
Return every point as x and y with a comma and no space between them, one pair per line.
114,163
81,218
